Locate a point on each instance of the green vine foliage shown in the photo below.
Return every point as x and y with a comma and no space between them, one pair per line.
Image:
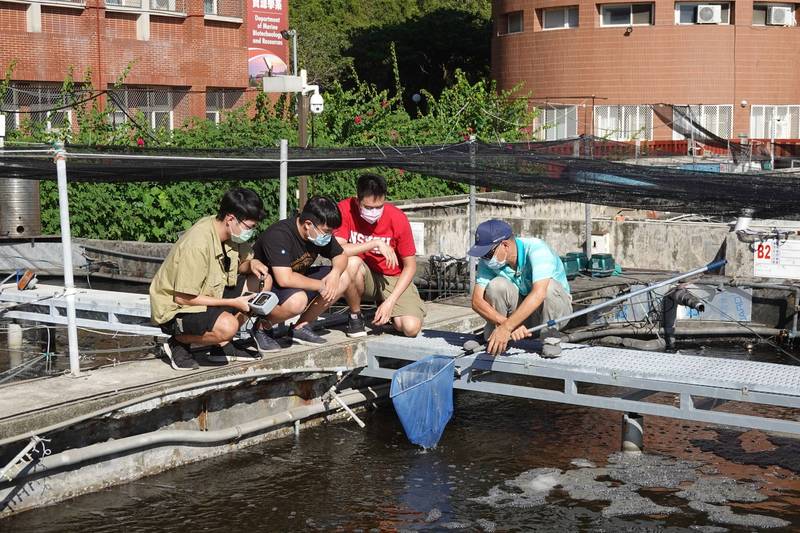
361,116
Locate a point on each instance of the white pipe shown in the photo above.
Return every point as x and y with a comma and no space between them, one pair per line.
463,201
66,245
284,178
190,437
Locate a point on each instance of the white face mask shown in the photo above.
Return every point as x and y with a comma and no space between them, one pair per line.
245,235
371,214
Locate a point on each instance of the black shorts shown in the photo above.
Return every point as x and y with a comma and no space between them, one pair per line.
313,273
199,323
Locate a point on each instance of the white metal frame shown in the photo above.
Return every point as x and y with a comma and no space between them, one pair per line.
701,114
769,113
603,126
550,127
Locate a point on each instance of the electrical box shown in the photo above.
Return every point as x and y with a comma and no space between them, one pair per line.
601,244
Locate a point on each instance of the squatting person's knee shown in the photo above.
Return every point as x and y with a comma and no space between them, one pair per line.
226,327
409,326
296,304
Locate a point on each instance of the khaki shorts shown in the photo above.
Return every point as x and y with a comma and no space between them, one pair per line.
378,287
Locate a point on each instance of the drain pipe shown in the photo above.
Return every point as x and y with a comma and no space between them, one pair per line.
669,306
156,439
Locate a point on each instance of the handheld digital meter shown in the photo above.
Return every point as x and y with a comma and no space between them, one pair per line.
263,303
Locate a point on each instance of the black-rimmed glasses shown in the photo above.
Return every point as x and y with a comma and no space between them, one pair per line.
488,255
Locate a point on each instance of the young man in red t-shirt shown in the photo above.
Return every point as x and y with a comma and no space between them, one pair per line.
377,238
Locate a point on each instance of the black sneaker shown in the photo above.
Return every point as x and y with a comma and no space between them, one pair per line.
230,353
355,326
264,341
179,356
306,335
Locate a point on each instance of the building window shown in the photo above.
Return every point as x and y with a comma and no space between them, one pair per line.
623,122
782,121
558,121
40,105
626,14
702,13
156,104
559,18
774,15
512,23
218,100
718,119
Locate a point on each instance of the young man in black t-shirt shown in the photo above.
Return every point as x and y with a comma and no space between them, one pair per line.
289,248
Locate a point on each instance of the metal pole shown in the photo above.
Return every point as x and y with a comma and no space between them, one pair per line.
66,245
587,215
294,52
284,179
585,311
772,144
473,217
302,134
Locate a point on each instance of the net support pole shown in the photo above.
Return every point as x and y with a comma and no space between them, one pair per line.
284,180
473,215
302,135
66,246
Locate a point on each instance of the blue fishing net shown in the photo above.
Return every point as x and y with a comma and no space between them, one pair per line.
422,394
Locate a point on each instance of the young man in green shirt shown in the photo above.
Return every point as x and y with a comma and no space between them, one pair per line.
196,295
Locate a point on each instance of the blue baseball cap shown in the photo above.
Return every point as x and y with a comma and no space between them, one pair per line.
488,235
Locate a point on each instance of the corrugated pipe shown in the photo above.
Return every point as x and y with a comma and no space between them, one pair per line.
168,392
187,437
712,331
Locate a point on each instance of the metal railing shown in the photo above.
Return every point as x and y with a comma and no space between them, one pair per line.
225,8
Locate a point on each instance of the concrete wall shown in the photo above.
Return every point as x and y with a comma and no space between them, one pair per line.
638,239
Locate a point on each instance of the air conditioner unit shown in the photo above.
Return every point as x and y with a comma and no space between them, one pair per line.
780,16
162,5
709,14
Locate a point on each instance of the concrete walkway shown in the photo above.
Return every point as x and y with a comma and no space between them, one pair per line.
29,405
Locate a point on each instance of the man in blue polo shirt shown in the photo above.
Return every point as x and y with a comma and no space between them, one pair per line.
521,283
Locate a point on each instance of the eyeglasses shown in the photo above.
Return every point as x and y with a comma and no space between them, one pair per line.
488,255
241,223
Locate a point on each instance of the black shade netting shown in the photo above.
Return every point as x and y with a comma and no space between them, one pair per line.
540,170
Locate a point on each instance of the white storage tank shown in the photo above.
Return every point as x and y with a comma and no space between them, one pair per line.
20,213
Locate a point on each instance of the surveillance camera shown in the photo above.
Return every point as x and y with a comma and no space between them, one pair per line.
285,34
316,103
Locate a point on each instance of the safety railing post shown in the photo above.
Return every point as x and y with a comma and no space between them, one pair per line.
284,179
66,245
473,216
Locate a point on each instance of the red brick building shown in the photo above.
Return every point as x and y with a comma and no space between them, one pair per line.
595,66
187,57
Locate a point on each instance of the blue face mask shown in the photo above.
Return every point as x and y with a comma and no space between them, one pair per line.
494,264
322,239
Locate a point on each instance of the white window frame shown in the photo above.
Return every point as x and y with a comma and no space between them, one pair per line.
630,22
766,15
507,23
644,119
698,115
695,4
150,110
550,127
565,10
215,118
790,126
214,7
